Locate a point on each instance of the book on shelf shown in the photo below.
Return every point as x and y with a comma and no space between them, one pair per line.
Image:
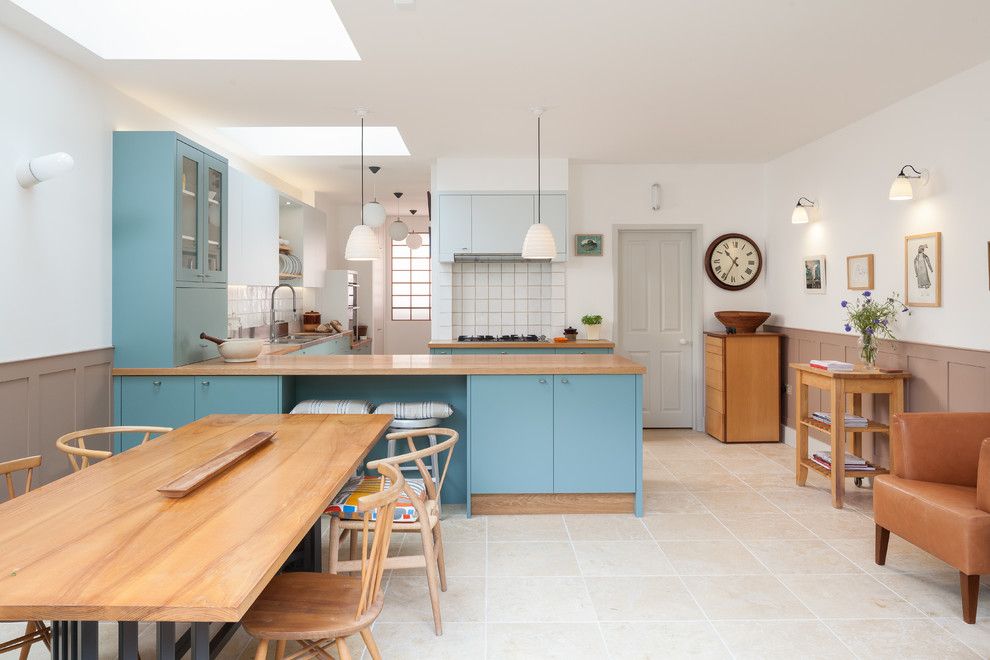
832,365
851,462
854,421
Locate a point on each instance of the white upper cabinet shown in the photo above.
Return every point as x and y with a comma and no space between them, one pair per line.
499,223
453,220
253,231
495,223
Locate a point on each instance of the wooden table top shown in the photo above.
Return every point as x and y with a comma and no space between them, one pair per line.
858,372
401,365
103,544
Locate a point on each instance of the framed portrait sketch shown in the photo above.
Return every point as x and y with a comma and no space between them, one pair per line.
923,270
814,274
859,272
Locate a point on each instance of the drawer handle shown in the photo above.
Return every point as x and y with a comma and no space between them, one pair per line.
543,381
564,380
156,383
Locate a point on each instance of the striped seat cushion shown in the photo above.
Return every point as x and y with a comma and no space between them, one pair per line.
416,410
345,504
332,407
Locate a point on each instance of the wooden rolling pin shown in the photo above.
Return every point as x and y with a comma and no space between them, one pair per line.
207,337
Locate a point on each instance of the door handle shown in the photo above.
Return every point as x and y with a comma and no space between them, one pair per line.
683,342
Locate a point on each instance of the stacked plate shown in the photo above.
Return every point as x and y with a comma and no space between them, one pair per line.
289,264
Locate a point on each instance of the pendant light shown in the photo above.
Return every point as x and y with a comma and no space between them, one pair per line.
374,213
414,241
398,229
539,243
362,244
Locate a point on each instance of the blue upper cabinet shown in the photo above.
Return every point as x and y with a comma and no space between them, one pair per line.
169,237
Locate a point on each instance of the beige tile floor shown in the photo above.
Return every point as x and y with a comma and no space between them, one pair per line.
731,560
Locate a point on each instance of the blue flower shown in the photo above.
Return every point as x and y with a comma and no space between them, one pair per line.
904,310
867,294
848,328
844,303
884,322
869,331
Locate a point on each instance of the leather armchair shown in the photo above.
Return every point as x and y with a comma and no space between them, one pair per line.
937,495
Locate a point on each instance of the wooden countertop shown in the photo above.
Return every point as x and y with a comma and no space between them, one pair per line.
858,372
401,365
581,343
103,544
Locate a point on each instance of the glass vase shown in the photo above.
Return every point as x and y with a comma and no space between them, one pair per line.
868,350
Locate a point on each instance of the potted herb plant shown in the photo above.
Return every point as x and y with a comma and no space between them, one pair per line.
592,326
872,320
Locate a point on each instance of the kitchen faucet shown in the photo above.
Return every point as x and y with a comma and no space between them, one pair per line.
271,330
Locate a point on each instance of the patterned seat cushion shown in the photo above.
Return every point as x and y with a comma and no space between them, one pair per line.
345,504
332,407
416,410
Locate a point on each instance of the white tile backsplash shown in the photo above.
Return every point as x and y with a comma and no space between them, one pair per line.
506,298
250,306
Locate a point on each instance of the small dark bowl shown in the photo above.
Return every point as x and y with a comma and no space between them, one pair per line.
742,322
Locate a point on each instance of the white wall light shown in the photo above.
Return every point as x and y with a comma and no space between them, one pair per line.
655,196
901,189
42,168
800,214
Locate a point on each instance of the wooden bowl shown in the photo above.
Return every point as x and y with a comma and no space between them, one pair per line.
742,322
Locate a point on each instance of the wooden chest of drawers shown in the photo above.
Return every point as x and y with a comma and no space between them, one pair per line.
742,387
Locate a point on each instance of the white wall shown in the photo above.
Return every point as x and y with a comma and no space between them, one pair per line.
55,247
945,128
722,198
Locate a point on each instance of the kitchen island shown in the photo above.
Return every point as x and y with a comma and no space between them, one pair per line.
540,432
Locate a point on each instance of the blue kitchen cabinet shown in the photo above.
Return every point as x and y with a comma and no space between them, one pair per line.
510,434
169,235
584,351
497,351
441,351
237,395
326,348
594,433
153,401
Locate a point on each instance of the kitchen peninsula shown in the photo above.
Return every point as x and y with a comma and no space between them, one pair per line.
542,433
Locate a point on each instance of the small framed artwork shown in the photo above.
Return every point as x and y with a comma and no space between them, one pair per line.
588,245
923,270
859,272
814,274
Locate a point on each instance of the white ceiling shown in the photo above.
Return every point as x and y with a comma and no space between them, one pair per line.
625,80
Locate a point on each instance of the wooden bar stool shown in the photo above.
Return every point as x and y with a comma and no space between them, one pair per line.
418,512
320,610
36,631
416,415
74,444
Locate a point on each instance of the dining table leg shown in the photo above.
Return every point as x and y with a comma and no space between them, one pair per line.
89,640
127,640
165,640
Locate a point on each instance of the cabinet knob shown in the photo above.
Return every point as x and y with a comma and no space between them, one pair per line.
543,381
156,383
564,380
205,383
505,352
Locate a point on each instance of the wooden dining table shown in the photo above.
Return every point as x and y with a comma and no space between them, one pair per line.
103,544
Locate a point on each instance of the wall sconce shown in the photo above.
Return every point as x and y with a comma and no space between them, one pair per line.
655,196
800,215
901,189
43,168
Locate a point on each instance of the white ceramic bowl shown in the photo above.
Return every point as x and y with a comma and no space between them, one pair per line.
241,350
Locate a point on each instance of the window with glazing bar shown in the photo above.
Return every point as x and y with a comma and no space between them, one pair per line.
411,280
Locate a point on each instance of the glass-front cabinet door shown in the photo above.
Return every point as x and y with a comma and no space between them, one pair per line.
215,266
190,209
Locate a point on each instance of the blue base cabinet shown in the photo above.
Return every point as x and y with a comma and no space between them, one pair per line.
175,401
547,351
555,434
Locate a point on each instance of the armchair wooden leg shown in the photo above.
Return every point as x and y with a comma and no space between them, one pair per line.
334,544
280,649
262,651
342,651
26,649
438,548
883,538
432,577
369,641
969,586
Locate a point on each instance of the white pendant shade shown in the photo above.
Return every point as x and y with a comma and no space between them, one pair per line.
398,230
800,215
539,243
362,245
901,189
414,241
374,214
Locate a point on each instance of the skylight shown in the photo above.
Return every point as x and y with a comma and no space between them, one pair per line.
200,29
319,140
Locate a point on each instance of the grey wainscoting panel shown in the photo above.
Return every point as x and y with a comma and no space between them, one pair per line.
43,398
942,377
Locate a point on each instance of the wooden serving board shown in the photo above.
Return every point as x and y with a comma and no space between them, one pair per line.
198,476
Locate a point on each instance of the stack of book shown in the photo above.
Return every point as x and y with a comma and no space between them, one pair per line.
832,365
824,458
853,421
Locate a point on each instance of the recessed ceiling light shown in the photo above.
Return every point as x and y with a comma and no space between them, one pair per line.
319,140
198,30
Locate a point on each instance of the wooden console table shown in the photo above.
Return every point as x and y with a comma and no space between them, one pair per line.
841,386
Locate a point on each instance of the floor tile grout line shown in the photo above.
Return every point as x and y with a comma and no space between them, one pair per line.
587,590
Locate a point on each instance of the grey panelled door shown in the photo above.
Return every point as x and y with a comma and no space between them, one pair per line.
655,322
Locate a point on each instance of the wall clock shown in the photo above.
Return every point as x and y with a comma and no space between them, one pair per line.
733,261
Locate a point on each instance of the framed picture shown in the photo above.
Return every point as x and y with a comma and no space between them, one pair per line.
588,245
859,272
814,274
923,270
